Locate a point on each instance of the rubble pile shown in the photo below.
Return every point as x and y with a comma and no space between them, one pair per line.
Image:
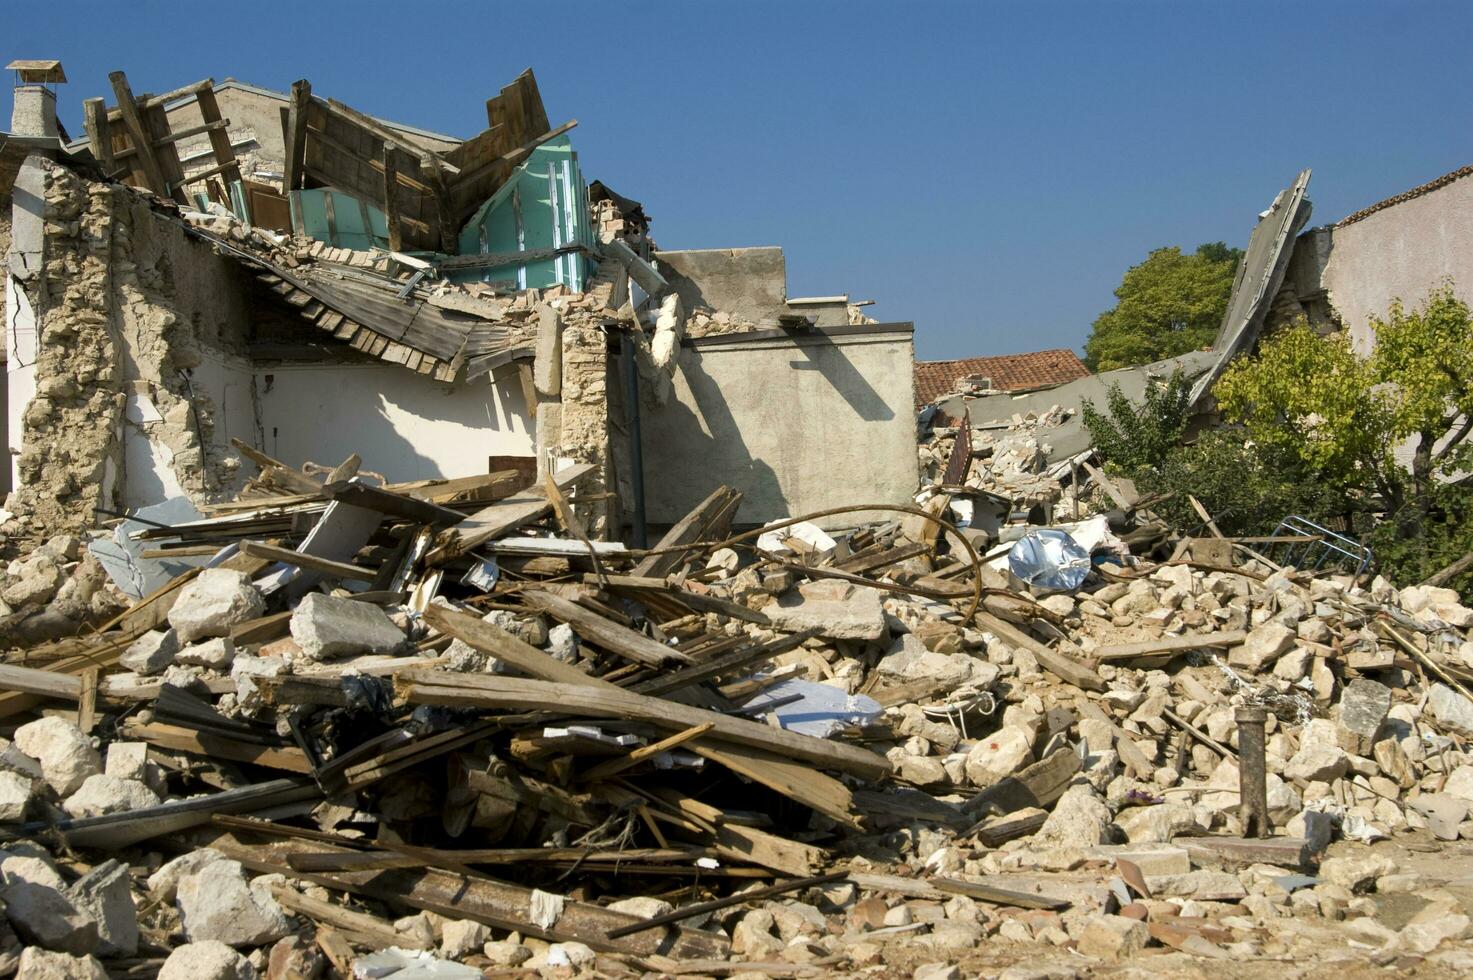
435,726
1010,461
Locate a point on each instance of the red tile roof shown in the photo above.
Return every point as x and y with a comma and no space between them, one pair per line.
1009,372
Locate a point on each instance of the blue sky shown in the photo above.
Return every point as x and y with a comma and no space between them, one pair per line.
986,170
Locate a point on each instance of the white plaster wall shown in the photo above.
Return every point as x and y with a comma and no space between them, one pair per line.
403,425
798,423
20,368
1404,252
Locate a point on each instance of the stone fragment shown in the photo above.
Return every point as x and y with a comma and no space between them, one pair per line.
1451,709
216,600
1356,870
151,653
15,796
1459,783
1317,763
42,964
40,911
295,958
1156,824
1263,646
1113,937
999,755
1363,707
839,610
504,953
66,755
102,794
206,960
460,937
216,902
163,884
327,626
104,895
937,971
215,653
1079,819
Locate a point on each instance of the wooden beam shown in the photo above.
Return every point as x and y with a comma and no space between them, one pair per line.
295,135
613,767
209,110
603,632
29,680
314,563
488,691
503,516
393,504
99,137
1079,674
391,199
145,165
1170,644
179,739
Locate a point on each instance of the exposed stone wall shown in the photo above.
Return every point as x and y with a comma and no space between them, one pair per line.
71,438
126,305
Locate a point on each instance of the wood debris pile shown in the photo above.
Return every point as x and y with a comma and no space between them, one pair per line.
436,726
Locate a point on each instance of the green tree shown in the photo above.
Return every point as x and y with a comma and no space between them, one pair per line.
1134,437
1170,304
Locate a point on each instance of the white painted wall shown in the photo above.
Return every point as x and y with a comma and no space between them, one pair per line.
20,368
404,426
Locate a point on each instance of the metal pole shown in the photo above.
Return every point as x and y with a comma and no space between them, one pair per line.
1252,772
636,444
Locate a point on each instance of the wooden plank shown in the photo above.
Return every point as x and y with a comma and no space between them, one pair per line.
29,680
1036,785
485,900
1285,852
993,895
310,562
393,504
503,516
1170,644
94,120
613,767
180,135
1070,671
209,110
295,135
522,656
391,199
605,633
489,691
87,703
180,739
373,930
665,556
144,164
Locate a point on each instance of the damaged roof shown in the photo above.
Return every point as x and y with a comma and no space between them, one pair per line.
1008,372
1404,196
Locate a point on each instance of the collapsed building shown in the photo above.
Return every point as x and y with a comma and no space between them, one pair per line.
359,688
226,266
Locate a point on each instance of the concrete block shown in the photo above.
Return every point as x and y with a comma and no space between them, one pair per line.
216,902
1113,937
999,755
42,964
66,755
39,909
151,653
104,894
326,626
206,960
102,794
216,600
216,653
839,610
1363,707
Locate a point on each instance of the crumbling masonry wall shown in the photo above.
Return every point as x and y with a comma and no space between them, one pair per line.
127,309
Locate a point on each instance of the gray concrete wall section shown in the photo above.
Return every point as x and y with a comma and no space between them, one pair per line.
798,422
1401,252
750,283
1071,437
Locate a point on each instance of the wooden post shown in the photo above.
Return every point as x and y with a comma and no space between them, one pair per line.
225,162
294,133
391,199
94,119
142,162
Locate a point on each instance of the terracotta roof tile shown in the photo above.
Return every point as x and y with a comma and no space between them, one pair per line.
1009,372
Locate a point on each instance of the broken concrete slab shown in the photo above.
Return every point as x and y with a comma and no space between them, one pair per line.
66,755
104,894
151,653
43,964
838,610
216,902
207,959
101,794
1364,705
327,626
216,600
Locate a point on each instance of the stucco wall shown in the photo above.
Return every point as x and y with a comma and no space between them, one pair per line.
797,422
749,283
1403,251
403,425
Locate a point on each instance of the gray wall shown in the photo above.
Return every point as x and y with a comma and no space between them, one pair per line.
798,422
751,283
1402,251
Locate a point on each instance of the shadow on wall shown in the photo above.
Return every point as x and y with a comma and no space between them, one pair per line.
825,357
712,441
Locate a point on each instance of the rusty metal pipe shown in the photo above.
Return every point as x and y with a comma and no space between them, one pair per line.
1252,772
